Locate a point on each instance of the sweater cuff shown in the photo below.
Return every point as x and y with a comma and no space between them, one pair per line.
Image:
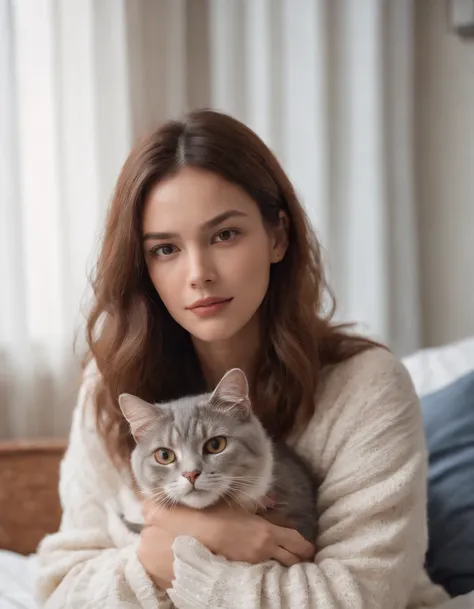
197,572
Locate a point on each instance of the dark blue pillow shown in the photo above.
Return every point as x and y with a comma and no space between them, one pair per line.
449,428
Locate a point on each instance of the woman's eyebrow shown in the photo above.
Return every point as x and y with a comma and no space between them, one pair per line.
212,223
232,213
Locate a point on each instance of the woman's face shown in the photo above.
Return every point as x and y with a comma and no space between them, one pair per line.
208,252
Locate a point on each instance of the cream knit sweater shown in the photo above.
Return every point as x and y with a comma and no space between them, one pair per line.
365,443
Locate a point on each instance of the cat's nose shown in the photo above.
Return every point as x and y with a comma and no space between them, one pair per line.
192,476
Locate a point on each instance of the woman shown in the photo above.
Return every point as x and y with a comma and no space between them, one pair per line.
209,263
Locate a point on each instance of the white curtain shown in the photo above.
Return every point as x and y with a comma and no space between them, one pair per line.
65,129
326,83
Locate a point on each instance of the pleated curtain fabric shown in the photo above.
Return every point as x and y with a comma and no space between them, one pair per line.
328,85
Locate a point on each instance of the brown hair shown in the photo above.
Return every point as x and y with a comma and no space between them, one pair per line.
140,349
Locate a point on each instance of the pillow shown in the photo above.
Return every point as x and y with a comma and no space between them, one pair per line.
448,416
433,368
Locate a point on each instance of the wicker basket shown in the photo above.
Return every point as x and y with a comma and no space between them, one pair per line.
29,502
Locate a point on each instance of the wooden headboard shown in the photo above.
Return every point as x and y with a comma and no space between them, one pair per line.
29,501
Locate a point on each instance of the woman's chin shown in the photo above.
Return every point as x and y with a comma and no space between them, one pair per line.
217,333
216,329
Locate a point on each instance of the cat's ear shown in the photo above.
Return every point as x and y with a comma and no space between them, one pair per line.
140,415
232,394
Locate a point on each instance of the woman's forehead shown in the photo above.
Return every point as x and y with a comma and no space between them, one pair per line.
193,198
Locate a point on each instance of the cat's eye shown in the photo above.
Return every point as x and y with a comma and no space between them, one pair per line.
215,445
165,456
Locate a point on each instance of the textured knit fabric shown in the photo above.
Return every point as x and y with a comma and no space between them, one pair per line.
365,443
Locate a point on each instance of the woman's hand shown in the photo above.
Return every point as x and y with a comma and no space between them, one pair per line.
156,555
233,533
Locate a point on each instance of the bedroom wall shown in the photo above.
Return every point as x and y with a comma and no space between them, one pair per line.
445,174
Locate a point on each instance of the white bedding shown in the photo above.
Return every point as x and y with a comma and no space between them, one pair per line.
17,576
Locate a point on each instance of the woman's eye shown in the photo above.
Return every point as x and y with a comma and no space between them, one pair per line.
164,250
165,456
216,445
225,235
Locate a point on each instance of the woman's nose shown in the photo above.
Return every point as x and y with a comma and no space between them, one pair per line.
202,270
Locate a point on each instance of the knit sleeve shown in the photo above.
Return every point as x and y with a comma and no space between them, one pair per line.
372,518
80,566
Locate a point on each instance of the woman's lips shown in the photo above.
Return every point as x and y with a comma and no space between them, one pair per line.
209,306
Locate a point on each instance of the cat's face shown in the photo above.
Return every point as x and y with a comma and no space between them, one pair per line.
199,450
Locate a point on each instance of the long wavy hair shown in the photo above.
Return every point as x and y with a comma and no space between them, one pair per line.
138,347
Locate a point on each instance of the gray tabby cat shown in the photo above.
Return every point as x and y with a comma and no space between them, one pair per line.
200,450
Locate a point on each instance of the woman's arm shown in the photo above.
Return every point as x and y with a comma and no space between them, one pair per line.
372,503
225,529
79,566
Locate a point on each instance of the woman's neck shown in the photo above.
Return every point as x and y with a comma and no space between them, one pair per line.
240,351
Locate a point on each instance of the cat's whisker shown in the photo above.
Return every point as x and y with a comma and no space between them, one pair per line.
277,485
231,500
155,488
156,491
226,498
159,501
243,483
243,488
241,492
159,497
243,479
157,494
162,497
236,501
153,511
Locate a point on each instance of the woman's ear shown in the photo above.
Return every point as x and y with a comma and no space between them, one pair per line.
280,238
